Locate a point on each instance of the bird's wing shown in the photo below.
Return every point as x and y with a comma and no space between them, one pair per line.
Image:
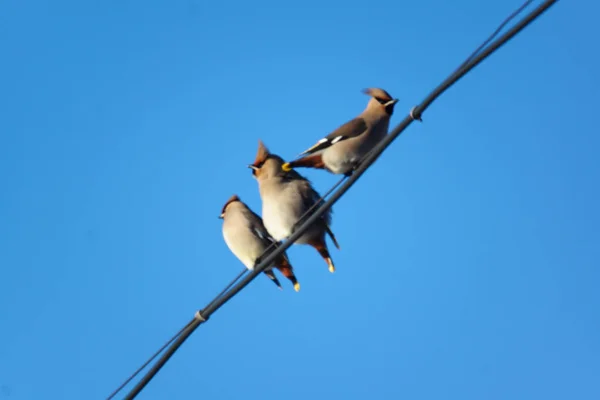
309,197
258,228
260,231
350,129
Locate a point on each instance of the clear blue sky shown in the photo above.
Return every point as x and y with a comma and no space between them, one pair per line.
469,261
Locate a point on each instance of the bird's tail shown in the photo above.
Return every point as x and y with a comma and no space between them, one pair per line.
321,247
272,276
332,236
286,269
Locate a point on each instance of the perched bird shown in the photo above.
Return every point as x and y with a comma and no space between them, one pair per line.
247,238
342,150
286,197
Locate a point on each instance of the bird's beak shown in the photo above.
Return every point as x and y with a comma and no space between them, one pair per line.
253,167
389,103
222,216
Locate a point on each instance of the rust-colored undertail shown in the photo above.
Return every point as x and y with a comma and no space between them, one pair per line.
285,267
321,247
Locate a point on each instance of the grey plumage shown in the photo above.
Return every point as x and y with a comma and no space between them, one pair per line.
286,196
247,238
341,150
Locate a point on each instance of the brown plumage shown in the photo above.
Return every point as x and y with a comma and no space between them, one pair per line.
229,201
248,239
342,150
286,197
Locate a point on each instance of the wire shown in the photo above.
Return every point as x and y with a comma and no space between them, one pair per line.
415,114
493,35
147,362
317,203
275,244
242,272
473,54
222,292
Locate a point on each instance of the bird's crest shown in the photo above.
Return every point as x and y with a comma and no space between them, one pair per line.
261,154
378,93
229,201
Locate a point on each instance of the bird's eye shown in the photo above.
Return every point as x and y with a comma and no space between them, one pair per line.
257,167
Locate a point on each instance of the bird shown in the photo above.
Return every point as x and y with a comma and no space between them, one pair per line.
286,197
247,238
342,150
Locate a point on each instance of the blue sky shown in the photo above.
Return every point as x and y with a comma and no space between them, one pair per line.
469,260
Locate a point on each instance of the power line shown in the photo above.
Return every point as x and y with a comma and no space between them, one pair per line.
276,244
317,203
164,346
496,32
222,292
168,342
202,316
415,114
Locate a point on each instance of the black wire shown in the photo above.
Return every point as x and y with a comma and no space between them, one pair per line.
317,203
164,346
415,114
275,244
140,369
493,35
222,292
230,285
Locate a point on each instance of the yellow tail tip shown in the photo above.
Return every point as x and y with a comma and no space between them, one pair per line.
286,167
297,287
329,262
